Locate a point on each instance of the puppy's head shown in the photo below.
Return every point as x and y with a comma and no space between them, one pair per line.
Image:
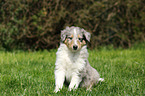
75,38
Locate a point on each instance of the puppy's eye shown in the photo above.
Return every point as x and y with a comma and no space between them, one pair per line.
70,38
80,39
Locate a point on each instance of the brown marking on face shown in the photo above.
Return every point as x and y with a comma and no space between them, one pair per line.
69,42
66,40
80,43
84,42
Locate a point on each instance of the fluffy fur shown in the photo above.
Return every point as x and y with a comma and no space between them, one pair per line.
72,61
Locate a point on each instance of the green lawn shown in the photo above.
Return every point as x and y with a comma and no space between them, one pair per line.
32,73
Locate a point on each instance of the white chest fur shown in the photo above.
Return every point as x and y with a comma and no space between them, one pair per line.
70,62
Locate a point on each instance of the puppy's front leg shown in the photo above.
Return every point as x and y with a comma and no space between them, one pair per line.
59,80
75,81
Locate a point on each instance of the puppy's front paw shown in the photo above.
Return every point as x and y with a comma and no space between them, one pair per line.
72,88
56,89
101,79
89,89
69,89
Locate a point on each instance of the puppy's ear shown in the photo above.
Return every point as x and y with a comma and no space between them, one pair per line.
86,34
64,34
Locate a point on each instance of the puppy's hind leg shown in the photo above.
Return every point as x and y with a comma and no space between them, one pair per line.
92,83
89,87
101,79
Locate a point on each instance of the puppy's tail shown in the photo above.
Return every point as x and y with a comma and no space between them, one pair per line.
101,79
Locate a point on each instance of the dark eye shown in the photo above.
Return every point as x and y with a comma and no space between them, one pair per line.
70,38
80,39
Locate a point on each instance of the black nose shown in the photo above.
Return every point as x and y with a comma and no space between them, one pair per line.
75,47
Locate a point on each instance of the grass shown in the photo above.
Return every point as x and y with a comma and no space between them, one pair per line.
32,73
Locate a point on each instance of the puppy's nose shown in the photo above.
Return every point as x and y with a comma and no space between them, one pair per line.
75,47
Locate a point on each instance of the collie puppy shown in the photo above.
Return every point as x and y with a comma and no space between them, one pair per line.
72,63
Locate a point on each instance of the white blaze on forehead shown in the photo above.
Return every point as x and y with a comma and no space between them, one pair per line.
75,37
75,31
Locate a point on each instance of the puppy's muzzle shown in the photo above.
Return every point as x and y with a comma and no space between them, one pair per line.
75,47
